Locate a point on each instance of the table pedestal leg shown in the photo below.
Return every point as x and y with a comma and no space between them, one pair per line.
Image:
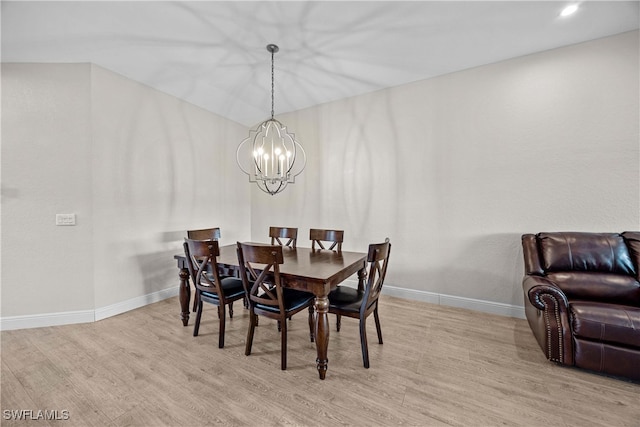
322,334
185,295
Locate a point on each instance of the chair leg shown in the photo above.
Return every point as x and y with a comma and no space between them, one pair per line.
195,301
279,326
231,310
222,326
363,342
252,325
283,345
196,327
338,322
311,323
377,319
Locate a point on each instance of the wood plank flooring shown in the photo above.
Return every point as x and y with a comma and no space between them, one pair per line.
438,366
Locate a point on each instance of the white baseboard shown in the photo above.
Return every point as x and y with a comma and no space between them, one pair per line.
87,316
455,301
83,316
133,303
483,306
47,319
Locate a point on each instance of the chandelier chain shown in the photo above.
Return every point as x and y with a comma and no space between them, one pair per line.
272,85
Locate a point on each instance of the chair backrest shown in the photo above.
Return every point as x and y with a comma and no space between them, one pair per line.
378,259
277,233
260,273
204,234
203,265
317,236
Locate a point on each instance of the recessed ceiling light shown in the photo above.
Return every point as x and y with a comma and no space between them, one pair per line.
569,10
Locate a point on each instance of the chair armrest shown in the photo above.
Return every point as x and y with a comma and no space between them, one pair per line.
548,316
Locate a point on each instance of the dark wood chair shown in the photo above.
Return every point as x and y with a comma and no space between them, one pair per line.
210,287
260,272
359,304
277,233
335,237
204,234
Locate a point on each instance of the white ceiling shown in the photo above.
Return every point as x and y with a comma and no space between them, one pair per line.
212,53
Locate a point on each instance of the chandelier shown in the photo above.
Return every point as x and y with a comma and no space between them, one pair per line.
270,155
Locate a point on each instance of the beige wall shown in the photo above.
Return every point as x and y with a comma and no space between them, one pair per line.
454,169
138,167
160,166
46,169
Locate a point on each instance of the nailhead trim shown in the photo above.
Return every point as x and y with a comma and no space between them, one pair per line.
556,312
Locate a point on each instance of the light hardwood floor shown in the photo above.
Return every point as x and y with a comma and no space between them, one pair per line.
438,366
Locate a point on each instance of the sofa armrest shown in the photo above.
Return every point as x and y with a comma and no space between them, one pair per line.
532,263
547,310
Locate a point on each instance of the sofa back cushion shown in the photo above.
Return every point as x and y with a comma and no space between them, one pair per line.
632,239
589,252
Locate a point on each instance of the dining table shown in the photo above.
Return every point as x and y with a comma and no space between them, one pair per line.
312,270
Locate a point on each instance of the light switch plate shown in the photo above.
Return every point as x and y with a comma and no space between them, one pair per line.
65,219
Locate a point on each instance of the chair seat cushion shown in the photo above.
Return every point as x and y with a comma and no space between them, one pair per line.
346,298
231,287
292,298
610,323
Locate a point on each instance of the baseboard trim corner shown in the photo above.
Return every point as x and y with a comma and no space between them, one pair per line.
133,303
84,316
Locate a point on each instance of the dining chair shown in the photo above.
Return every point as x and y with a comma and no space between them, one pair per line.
202,262
359,304
277,233
204,234
335,237
260,272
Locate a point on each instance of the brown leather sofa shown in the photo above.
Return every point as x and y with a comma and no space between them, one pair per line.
582,299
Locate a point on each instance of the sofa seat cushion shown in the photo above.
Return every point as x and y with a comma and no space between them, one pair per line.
612,323
601,287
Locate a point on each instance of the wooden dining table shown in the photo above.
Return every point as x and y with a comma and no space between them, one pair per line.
315,271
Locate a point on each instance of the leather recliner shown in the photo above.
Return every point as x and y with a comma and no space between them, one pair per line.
582,299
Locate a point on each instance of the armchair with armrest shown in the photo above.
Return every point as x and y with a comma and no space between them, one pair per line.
582,299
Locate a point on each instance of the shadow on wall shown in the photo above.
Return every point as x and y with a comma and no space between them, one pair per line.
158,268
487,268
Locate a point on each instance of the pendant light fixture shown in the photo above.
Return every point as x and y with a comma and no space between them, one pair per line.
270,155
